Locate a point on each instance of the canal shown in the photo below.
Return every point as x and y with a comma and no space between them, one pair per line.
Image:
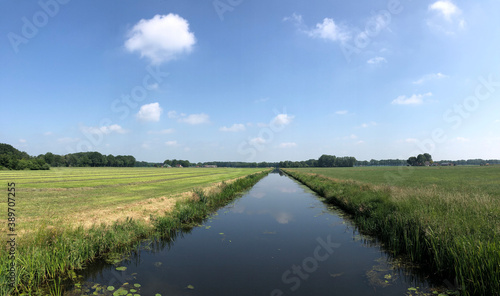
279,238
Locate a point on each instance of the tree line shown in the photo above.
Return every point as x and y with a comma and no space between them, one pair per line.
88,159
323,161
13,159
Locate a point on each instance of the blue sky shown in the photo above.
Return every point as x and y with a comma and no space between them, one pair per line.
251,80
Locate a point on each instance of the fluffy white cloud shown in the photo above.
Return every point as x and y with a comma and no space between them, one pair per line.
433,76
377,60
161,38
150,112
106,130
411,140
447,17
413,100
237,127
445,8
162,132
282,119
341,112
195,119
328,29
287,145
171,143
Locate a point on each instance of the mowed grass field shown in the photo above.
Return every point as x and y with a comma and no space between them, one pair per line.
446,217
86,196
468,179
68,217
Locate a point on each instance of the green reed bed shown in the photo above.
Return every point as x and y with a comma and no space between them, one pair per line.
46,256
456,234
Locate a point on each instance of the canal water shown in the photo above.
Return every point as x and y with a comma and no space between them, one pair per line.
279,238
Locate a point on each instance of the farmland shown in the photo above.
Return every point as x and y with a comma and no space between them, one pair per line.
447,218
67,217
94,195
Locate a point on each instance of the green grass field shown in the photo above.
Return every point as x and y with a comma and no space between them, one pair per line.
88,195
445,217
70,216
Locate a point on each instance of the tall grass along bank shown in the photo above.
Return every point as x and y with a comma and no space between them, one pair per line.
457,234
50,254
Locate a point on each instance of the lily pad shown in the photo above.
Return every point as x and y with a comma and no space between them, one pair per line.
157,294
121,268
133,290
191,287
137,285
110,288
221,233
120,292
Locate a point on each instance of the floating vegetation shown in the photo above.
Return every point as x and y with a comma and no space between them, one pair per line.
191,287
121,268
157,264
381,275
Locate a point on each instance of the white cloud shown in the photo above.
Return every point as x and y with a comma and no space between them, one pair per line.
171,143
445,8
237,127
195,119
150,112
282,119
365,125
447,17
353,136
328,29
114,128
433,76
287,145
376,60
172,114
413,100
261,124
360,142
257,141
161,38
462,139
48,133
22,141
497,121
341,112
411,140
162,132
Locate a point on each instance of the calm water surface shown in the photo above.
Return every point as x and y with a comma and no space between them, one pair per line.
278,239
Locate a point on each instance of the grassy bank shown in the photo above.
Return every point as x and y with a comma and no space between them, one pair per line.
454,229
52,251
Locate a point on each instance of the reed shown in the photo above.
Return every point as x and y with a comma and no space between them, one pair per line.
50,254
456,233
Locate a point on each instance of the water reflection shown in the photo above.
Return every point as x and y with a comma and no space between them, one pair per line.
277,238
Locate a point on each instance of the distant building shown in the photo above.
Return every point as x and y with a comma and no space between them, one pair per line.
210,166
178,166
